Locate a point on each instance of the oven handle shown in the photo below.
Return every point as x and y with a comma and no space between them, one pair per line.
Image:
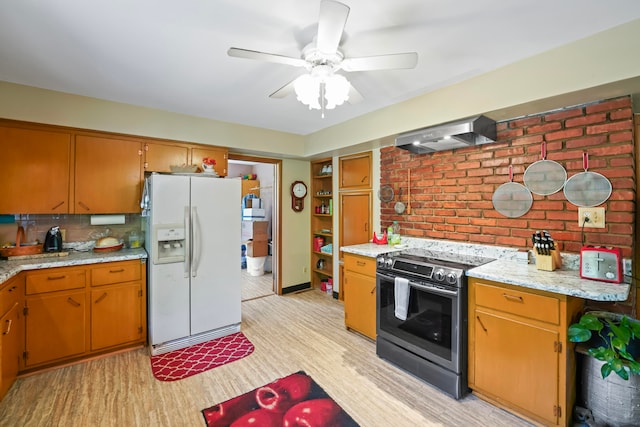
419,286
433,290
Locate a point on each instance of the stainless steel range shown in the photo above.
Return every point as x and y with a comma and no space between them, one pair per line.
421,314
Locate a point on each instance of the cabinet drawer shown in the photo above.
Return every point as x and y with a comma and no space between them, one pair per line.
546,309
360,264
54,279
116,272
9,294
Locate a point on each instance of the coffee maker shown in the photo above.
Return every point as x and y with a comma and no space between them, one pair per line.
53,240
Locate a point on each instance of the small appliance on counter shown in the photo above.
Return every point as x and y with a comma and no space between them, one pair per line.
600,263
53,240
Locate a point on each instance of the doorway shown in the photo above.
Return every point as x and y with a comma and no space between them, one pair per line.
264,177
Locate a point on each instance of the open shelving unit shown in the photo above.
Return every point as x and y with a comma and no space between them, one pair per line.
321,221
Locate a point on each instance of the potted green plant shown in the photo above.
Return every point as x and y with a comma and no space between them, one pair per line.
615,335
611,344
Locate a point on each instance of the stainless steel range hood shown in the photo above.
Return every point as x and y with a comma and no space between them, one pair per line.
447,136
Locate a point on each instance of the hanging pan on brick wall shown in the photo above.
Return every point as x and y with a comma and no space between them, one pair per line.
512,199
386,193
587,189
545,177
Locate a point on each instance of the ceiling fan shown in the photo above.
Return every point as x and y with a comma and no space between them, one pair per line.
321,87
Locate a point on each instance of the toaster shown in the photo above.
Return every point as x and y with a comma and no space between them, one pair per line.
600,263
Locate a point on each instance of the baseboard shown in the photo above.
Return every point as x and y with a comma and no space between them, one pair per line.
296,288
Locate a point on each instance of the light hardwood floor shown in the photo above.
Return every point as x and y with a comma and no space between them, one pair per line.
256,286
303,331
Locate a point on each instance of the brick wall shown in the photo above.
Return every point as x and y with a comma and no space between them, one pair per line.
451,190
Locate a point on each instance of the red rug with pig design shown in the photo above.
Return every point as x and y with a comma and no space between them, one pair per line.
292,401
185,362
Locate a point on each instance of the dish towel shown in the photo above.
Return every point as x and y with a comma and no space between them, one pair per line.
401,291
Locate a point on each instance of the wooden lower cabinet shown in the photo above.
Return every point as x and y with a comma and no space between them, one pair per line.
11,331
55,326
117,296
75,312
519,354
360,294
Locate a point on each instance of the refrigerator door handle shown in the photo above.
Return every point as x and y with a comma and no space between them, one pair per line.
187,243
195,230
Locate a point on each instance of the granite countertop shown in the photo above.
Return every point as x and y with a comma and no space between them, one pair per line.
369,249
9,269
510,268
566,282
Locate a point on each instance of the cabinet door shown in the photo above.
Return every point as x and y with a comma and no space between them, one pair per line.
360,303
9,348
108,175
55,326
355,171
34,172
250,186
159,157
355,218
517,363
116,315
219,154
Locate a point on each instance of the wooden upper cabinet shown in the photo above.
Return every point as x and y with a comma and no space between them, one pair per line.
108,175
355,218
355,171
221,156
35,171
250,186
159,157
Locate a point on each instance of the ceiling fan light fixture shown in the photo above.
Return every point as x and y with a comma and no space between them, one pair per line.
336,90
309,88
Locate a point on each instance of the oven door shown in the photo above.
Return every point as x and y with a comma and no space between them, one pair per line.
434,324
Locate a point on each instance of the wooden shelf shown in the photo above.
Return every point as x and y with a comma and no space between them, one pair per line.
323,272
322,253
321,194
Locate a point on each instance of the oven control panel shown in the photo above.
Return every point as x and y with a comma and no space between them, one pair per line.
412,268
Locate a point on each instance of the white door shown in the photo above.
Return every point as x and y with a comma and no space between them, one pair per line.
215,271
168,283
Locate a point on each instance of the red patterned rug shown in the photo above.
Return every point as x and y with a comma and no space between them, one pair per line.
185,362
292,401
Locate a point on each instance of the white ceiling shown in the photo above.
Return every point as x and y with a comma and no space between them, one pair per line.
172,55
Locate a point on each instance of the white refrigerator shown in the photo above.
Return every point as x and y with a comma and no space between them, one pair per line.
193,242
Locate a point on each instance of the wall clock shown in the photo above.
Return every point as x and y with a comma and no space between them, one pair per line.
298,193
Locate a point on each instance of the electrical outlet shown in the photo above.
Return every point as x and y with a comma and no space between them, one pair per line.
591,217
626,267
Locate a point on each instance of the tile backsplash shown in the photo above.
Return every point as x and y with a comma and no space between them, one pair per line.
77,228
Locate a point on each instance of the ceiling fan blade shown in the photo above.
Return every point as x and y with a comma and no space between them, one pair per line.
284,91
333,18
268,57
382,62
354,96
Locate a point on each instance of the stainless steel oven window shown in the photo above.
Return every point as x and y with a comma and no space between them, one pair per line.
433,326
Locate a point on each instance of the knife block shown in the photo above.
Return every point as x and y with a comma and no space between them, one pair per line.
548,262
